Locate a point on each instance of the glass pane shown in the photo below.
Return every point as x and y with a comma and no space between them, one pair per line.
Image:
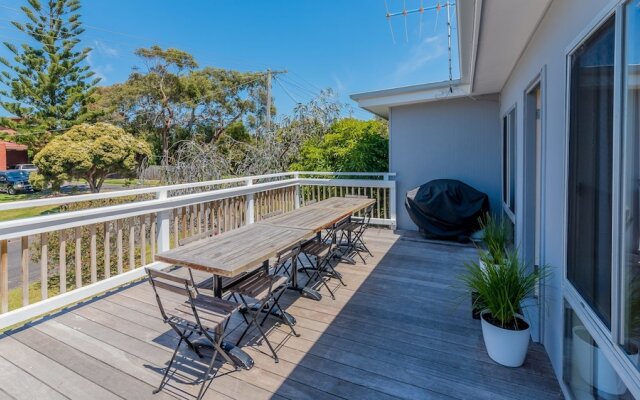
505,156
587,372
512,161
590,170
630,289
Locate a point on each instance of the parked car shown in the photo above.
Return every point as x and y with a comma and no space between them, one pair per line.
15,181
25,167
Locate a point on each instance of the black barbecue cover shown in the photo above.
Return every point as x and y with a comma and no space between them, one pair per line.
446,209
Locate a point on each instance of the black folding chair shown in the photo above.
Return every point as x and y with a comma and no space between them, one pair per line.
266,289
323,251
354,231
198,314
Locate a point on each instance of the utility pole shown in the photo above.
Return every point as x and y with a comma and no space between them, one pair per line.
269,100
270,74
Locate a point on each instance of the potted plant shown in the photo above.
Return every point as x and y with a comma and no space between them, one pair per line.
495,235
501,287
496,238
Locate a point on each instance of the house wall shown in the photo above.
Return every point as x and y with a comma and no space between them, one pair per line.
452,139
562,24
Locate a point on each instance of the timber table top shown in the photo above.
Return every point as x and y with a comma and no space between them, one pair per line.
350,204
238,250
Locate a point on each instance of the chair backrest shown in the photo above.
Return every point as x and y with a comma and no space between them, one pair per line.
272,214
355,196
171,283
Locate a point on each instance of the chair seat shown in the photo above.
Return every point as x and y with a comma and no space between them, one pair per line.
212,312
315,248
351,226
258,285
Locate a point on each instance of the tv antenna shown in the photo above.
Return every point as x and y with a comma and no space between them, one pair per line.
421,10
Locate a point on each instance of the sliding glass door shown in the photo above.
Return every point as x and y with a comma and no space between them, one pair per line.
602,286
630,272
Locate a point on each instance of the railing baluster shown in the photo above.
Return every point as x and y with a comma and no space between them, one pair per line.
107,251
93,252
132,244
143,240
176,228
44,265
153,234
119,249
199,207
184,224
24,266
78,243
62,267
4,278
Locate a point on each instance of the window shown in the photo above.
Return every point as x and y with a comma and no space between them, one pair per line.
630,224
603,210
586,370
590,169
509,163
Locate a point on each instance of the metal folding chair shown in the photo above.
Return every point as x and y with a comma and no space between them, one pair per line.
323,251
266,289
354,231
198,314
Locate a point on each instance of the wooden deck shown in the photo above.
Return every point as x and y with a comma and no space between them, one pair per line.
398,330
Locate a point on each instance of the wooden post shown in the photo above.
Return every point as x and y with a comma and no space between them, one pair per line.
143,240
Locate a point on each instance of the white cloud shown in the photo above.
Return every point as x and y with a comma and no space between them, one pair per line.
420,55
103,49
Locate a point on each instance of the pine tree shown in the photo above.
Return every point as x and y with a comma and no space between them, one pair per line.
48,85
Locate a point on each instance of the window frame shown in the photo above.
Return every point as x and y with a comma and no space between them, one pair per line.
606,339
509,159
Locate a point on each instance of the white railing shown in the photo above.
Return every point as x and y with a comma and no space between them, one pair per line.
97,242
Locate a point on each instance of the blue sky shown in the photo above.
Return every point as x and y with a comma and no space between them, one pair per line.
345,45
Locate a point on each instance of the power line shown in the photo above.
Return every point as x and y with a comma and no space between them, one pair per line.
145,40
287,92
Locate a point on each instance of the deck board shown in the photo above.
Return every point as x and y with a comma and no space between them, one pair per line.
400,329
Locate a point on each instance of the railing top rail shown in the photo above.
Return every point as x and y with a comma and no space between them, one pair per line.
53,222
346,173
54,201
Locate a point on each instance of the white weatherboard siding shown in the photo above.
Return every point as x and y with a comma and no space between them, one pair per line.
564,21
452,139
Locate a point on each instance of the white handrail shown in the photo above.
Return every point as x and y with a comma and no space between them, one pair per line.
54,201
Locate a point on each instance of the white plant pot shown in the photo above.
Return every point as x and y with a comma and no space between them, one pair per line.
592,366
505,346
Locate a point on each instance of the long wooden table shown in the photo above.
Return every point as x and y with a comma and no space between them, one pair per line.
240,250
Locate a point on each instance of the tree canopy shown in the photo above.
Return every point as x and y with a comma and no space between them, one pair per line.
173,99
349,145
48,84
89,152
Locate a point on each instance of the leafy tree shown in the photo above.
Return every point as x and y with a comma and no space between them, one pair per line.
173,100
349,145
48,84
89,152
